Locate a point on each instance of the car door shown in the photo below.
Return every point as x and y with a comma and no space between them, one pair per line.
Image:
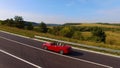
57,48
50,46
54,47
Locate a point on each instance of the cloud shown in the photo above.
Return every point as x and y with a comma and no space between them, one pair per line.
35,17
110,12
107,15
11,13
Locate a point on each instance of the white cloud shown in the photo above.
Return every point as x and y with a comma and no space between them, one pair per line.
110,12
35,17
108,15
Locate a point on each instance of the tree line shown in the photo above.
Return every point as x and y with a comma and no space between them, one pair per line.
98,34
19,22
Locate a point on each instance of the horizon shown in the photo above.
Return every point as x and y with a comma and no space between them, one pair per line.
62,11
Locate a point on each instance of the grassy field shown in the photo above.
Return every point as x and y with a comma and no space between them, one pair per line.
113,38
99,25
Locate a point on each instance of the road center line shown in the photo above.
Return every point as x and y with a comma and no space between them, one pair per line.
20,59
56,53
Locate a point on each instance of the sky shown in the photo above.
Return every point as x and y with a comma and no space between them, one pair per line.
62,11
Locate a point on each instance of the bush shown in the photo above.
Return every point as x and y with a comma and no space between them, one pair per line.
98,35
67,31
77,35
29,26
55,30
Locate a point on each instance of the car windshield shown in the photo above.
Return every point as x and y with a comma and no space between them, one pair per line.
57,43
52,43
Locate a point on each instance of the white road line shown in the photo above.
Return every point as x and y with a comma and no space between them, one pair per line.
106,54
20,59
14,34
56,53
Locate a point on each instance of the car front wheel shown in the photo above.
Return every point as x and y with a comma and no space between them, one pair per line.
62,52
45,47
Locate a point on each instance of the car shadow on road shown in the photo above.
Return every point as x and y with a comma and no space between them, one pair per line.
75,53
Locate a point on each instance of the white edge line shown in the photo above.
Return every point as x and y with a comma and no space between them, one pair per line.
14,34
72,47
106,54
56,53
20,59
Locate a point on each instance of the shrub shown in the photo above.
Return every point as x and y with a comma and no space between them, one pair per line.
77,35
98,35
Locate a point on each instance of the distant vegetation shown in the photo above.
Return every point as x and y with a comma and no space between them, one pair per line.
117,24
53,24
109,24
19,22
97,34
72,24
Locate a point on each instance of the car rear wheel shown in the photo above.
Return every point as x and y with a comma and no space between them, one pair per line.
62,52
45,48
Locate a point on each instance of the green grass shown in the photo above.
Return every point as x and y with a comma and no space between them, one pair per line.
112,38
32,33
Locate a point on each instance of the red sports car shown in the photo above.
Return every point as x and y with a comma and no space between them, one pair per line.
57,47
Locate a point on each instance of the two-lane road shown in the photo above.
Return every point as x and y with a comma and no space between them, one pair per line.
30,50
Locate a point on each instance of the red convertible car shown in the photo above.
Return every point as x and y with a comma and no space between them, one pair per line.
57,47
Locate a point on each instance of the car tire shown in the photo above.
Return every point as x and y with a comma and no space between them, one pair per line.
61,52
45,48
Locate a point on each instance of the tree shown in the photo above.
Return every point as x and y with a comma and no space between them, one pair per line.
98,34
19,22
10,22
1,22
29,26
43,27
18,18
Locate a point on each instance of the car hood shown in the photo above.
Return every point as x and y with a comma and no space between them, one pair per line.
67,46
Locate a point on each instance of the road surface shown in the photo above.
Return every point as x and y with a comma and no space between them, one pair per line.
30,55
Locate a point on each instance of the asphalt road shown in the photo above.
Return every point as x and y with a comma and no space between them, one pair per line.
10,62
30,50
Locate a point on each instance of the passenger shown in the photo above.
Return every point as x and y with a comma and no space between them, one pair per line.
63,44
60,44
54,43
57,43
